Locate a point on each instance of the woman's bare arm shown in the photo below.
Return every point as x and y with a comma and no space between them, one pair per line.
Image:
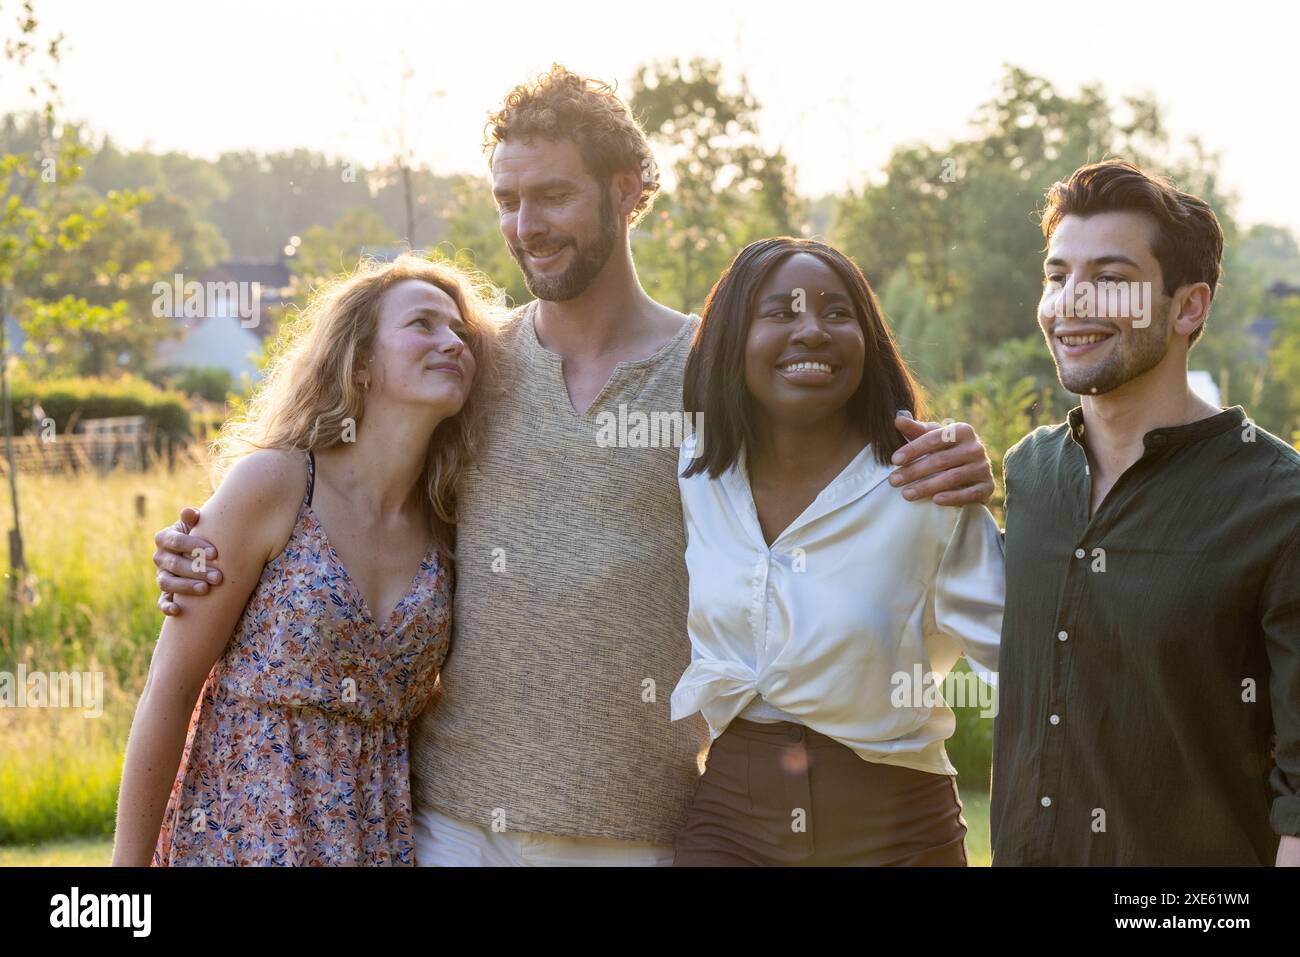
249,519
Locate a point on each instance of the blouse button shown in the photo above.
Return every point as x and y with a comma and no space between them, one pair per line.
1055,719
1046,802
1062,635
1079,553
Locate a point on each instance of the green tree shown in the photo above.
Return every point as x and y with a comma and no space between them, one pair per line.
926,342
273,196
727,189
36,225
958,216
91,307
1279,399
1273,252
327,251
474,237
958,219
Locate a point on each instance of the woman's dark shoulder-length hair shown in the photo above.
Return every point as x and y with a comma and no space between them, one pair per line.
714,389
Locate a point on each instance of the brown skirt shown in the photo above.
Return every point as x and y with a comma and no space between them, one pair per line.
782,795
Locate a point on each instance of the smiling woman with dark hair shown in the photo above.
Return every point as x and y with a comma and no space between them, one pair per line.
824,607
718,360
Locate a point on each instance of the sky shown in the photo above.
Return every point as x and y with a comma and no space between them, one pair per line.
840,84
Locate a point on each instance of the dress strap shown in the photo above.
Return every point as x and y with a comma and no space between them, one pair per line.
311,477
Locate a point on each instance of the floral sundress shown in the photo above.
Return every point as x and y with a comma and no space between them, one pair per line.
297,751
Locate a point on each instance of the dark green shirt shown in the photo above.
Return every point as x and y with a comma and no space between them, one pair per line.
1150,652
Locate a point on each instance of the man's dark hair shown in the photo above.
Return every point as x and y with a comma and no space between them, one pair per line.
1189,239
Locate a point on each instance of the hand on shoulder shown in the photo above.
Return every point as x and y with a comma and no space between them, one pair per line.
246,523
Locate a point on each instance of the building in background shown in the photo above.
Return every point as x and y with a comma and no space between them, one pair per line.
225,337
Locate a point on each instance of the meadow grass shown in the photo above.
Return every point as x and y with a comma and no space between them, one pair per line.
60,775
76,852
88,605
975,811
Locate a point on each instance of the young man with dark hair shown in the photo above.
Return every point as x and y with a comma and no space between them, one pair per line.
1151,642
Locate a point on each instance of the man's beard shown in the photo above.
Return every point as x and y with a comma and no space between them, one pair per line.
1147,349
587,262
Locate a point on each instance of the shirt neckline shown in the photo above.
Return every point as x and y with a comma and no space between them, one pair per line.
862,474
1172,436
560,397
535,344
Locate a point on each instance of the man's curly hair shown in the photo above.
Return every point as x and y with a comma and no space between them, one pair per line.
563,105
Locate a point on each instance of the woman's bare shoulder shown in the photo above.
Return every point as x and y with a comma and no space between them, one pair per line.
261,495
269,474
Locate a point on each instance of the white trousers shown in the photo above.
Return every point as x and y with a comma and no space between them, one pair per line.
442,841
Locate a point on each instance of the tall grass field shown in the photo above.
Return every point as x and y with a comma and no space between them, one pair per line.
87,605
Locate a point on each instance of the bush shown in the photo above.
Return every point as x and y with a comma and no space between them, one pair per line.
970,749
212,385
90,398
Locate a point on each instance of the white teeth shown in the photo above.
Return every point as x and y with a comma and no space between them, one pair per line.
1082,340
544,254
807,367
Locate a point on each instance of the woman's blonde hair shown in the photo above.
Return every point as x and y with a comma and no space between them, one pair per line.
308,398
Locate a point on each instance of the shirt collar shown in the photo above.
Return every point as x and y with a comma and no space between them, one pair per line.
855,480
1173,436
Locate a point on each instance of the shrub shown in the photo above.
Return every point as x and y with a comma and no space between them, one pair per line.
77,399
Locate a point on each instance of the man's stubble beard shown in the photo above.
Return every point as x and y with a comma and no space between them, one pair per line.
586,265
1147,349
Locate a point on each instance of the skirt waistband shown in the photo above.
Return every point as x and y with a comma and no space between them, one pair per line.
778,732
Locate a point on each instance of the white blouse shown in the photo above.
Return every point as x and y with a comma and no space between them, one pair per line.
863,594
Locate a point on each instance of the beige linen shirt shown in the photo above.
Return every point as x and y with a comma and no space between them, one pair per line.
552,712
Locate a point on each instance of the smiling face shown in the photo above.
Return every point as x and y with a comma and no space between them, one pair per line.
557,219
805,350
1103,311
419,355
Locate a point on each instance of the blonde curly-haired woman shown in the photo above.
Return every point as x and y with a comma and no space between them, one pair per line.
272,728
